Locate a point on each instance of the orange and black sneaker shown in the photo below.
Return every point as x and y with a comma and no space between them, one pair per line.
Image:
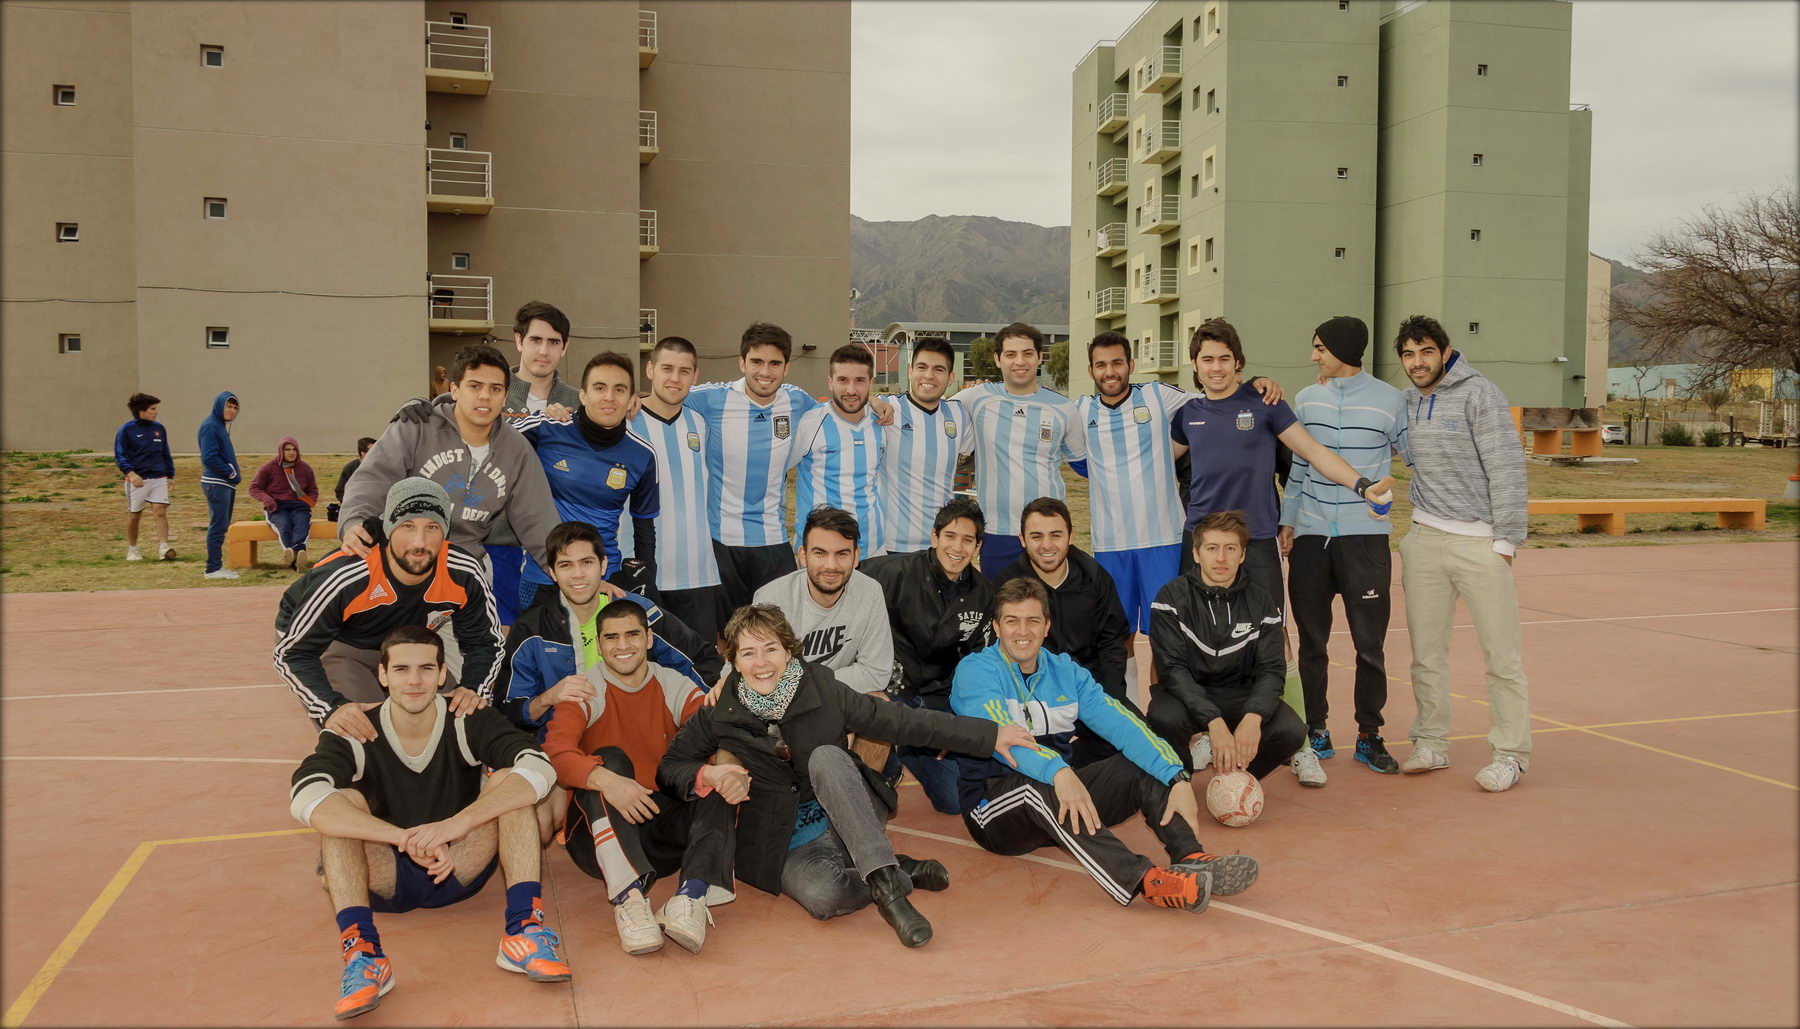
367,977
1231,873
1175,887
532,950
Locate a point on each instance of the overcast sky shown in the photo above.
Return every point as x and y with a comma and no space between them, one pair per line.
963,107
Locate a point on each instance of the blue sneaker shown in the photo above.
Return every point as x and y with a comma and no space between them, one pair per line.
1372,752
366,978
1320,741
533,952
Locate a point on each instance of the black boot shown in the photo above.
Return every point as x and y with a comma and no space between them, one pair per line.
928,874
889,887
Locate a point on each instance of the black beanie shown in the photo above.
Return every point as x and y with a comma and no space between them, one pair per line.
1346,337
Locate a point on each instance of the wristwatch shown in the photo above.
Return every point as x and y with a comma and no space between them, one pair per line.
1182,775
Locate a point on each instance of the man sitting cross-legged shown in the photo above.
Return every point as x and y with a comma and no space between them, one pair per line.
408,822
606,742
1017,682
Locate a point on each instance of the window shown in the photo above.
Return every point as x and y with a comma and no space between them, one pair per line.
1343,173
1212,22
1343,5
1148,192
1196,27
1343,80
1475,159
458,18
68,232
218,337
215,207
1206,169
68,343
1194,186
1338,253
1196,98
1481,69
1212,101
1209,249
64,95
212,56
459,262
1474,328
1138,213
459,141
1193,255
1474,235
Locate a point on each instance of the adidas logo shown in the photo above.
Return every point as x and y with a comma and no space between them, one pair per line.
761,416
1370,595
561,466
1018,412
378,592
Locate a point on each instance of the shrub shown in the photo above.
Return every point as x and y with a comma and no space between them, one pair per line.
1675,435
1712,438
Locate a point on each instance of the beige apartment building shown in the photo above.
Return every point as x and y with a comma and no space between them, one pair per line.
312,204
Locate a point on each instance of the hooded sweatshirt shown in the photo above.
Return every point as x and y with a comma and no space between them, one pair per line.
218,458
1468,464
278,482
509,480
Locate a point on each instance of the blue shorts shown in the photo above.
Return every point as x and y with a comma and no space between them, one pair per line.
413,887
1139,574
506,559
998,551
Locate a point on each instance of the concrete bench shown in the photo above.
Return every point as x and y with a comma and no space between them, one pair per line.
241,539
1609,515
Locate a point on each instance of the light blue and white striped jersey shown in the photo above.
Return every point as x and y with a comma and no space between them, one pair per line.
747,460
684,554
838,466
1020,445
1131,468
918,467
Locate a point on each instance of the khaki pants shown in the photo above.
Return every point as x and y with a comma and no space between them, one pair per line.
1436,568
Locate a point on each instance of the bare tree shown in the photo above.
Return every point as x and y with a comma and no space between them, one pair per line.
1726,288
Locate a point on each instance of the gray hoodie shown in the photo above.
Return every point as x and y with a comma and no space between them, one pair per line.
510,480
1468,463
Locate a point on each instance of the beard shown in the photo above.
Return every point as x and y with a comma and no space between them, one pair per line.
417,562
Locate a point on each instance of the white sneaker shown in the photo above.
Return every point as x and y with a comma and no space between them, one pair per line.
288,556
1500,776
685,920
1306,766
1424,759
164,552
1200,753
133,554
716,895
638,931
221,573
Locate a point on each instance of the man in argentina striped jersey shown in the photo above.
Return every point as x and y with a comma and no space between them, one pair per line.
918,464
1023,434
838,451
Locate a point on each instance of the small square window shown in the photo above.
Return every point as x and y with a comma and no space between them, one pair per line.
1474,235
215,207
212,56
68,343
459,262
1209,248
458,18
459,141
1343,5
1338,253
64,95
1474,328
218,337
1343,80
68,232
1481,69
1343,173
1475,159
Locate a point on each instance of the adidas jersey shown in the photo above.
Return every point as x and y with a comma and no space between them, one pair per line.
918,467
1131,468
838,466
1021,443
684,554
747,448
591,485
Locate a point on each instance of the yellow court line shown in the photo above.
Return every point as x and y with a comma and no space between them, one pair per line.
65,951
1645,721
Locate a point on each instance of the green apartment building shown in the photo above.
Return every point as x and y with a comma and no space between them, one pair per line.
1278,163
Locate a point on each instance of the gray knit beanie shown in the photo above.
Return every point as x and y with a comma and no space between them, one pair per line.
414,497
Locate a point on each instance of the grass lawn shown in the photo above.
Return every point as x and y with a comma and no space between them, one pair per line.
63,514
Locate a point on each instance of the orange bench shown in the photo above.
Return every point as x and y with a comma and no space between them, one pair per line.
1609,515
241,540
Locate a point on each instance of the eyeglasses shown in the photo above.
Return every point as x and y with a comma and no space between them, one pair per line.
782,750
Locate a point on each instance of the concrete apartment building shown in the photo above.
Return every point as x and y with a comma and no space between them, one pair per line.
1280,163
312,204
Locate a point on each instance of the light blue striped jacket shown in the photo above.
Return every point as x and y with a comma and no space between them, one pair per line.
1364,420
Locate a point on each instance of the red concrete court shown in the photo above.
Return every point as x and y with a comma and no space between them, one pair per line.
1643,873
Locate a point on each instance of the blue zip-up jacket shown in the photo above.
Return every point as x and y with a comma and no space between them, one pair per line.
143,447
218,458
1364,420
1047,702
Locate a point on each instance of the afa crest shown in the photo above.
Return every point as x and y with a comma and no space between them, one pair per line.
1044,433
615,479
693,442
1141,415
949,428
781,426
1245,421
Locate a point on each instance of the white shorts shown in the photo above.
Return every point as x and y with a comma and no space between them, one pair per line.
153,491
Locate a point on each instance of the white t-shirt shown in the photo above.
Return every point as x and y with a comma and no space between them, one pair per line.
536,404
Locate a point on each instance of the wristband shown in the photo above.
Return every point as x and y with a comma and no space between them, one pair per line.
1362,486
701,788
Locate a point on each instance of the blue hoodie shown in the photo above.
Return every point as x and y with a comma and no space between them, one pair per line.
218,458
143,447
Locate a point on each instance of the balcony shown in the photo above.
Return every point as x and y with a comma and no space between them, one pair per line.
1110,239
646,328
647,147
647,247
1160,70
1160,286
1112,112
459,181
1156,356
646,38
462,304
1109,302
1165,214
1111,177
1162,140
458,58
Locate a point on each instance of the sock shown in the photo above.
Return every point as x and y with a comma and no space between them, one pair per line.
695,888
635,884
521,904
364,921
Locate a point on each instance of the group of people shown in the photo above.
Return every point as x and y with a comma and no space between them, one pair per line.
601,598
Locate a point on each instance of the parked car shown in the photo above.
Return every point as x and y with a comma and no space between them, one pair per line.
1612,434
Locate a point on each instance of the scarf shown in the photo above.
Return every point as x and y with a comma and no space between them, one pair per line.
287,468
598,436
773,706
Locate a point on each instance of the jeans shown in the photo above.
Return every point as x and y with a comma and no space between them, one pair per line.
293,523
937,775
828,876
219,502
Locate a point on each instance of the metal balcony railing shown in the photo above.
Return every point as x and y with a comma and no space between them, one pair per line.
646,327
1160,285
647,243
1110,239
647,129
1111,176
1165,214
462,298
1162,140
459,173
646,38
453,47
1112,112
1109,302
1156,355
1160,70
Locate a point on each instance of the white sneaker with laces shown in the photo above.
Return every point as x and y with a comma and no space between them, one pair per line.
165,552
638,931
133,554
221,573
685,920
1502,775
1200,753
1306,766
1424,759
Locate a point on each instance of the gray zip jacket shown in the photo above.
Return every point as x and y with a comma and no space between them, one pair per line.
511,480
1468,464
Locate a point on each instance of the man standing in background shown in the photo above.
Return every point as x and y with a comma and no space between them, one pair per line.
141,450
219,478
